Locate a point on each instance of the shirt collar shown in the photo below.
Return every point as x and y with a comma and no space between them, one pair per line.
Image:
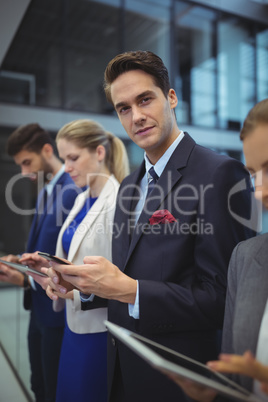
161,163
50,186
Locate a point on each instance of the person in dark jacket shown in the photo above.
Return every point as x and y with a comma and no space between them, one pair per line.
32,148
171,242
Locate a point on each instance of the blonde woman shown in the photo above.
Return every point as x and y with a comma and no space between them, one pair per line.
97,159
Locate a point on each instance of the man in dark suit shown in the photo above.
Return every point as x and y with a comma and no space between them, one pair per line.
171,247
246,300
33,150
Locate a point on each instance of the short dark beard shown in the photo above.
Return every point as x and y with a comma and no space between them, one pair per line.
47,169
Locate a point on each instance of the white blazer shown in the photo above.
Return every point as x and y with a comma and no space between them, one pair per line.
92,237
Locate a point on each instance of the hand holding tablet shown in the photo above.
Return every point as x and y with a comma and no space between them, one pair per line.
25,269
175,364
53,258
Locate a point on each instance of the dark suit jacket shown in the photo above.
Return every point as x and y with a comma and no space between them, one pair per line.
181,266
43,237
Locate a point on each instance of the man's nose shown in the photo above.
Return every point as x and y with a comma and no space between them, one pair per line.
25,171
137,114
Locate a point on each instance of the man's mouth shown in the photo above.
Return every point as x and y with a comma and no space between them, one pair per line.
32,176
144,131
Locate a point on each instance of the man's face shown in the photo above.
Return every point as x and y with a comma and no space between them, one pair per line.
31,163
145,113
256,153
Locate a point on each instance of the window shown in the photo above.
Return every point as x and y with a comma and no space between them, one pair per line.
196,70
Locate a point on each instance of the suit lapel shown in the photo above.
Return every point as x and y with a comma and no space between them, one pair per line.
51,208
131,195
261,257
125,206
260,267
91,216
32,235
79,202
87,223
37,220
47,209
256,293
169,178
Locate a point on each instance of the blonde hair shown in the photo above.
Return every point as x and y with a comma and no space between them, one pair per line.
257,115
90,134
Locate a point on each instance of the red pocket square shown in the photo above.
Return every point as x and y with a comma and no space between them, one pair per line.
162,216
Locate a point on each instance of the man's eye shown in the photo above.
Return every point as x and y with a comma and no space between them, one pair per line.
145,100
123,109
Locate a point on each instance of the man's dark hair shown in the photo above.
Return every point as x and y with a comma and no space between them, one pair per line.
146,61
30,137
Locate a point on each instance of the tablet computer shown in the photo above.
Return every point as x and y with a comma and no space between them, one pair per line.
22,268
50,257
168,361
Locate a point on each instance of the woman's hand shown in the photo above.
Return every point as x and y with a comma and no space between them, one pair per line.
34,260
245,364
57,286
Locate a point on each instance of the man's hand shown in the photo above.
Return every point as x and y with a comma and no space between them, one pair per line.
100,277
11,275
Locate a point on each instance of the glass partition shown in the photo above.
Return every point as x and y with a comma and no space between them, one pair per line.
196,85
236,64
61,49
218,62
262,64
147,27
221,66
13,333
92,37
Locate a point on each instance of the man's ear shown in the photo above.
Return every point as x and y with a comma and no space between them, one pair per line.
172,97
101,152
47,151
